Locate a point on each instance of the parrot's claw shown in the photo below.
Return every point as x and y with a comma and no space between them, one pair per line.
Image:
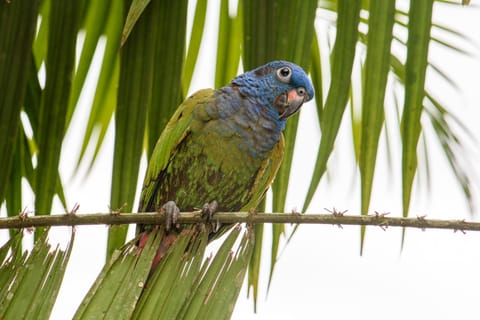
209,209
171,211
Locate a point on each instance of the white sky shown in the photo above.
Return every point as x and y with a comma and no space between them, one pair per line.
320,274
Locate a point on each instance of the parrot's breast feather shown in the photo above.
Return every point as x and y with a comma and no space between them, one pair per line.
216,146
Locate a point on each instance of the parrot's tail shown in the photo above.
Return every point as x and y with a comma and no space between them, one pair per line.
165,244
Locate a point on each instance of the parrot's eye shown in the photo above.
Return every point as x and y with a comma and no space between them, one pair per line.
301,91
284,74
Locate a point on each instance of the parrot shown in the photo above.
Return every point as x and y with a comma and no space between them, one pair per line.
222,148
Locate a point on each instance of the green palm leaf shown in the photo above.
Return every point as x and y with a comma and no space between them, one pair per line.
64,17
336,101
265,41
17,22
415,69
30,282
377,65
182,286
133,101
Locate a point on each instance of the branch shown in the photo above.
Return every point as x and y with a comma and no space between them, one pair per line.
335,218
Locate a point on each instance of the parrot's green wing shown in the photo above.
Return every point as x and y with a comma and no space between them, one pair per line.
265,176
171,148
176,130
263,181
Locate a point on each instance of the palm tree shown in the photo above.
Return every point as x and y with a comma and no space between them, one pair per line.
357,57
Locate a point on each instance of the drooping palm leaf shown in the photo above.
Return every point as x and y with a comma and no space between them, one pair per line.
397,67
264,40
169,52
377,66
133,101
150,83
30,282
59,66
228,47
182,286
119,285
420,21
105,98
17,22
335,103
28,144
196,37
96,18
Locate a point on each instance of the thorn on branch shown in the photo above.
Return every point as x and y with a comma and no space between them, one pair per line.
74,210
23,215
117,211
295,212
379,215
73,213
422,222
460,229
337,214
383,226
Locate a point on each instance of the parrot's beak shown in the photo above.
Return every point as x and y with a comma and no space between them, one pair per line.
289,102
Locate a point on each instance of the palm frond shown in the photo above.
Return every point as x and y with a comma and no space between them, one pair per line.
338,94
17,21
133,102
59,67
30,282
377,64
183,285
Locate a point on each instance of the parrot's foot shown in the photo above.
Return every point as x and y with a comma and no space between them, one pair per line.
171,211
208,210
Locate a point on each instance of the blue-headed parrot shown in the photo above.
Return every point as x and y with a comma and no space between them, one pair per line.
224,146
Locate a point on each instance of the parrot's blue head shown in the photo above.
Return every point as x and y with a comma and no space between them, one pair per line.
280,86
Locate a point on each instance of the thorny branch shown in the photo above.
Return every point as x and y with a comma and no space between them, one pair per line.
334,218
